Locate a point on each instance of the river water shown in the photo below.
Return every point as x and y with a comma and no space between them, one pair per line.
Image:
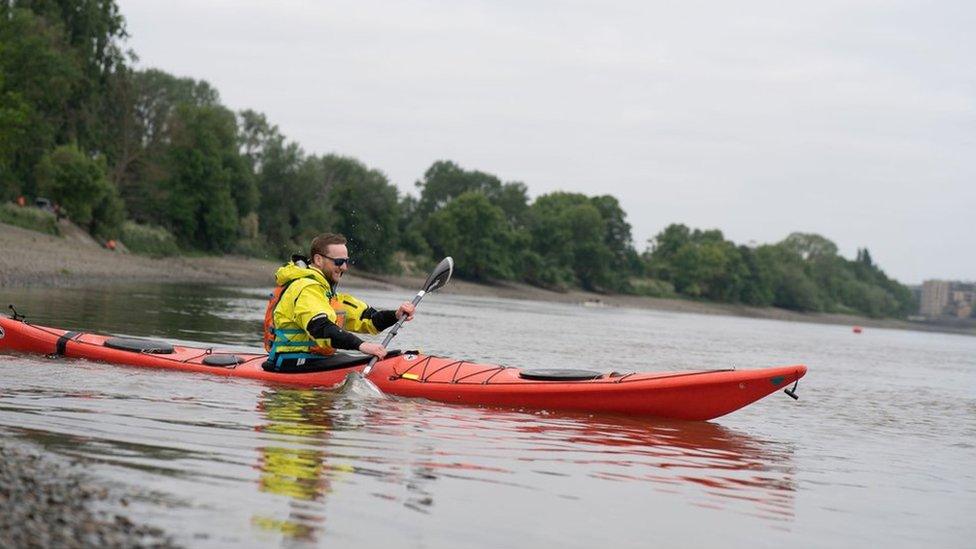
879,450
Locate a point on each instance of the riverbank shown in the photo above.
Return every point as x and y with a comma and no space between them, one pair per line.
35,259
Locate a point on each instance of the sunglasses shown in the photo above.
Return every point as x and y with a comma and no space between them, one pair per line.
339,261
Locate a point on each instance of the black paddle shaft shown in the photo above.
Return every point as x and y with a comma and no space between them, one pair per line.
435,280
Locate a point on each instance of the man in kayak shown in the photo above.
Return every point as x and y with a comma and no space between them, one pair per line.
307,319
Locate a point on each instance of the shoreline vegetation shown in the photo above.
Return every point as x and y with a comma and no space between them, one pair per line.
33,259
157,164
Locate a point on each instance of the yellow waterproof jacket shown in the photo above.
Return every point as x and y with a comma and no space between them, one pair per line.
303,293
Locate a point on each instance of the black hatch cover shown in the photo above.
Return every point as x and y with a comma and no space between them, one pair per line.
558,374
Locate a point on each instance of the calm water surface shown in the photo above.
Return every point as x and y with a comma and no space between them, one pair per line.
879,450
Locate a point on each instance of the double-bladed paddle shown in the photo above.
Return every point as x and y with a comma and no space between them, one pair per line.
435,281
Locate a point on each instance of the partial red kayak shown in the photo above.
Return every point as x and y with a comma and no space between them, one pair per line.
690,395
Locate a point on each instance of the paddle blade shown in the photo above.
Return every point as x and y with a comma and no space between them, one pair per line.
356,384
440,275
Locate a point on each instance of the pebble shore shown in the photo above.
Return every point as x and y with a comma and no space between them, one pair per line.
46,503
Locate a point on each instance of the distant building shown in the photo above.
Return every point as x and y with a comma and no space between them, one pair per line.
943,298
935,298
961,302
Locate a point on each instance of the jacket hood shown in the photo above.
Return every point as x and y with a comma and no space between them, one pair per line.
298,268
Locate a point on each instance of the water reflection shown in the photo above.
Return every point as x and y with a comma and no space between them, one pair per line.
727,466
184,311
317,433
300,474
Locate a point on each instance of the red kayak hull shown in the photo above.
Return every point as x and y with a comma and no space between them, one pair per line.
688,395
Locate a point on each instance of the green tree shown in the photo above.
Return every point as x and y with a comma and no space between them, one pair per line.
364,208
257,134
444,181
898,299
93,31
700,263
79,186
618,240
475,232
569,234
793,286
150,100
288,183
513,199
14,130
36,80
411,232
809,246
757,288
663,248
204,167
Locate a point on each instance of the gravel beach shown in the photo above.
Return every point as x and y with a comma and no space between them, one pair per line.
46,502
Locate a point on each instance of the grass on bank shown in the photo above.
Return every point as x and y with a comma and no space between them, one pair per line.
149,240
652,287
33,219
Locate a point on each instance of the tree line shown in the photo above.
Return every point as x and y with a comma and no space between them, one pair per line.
137,154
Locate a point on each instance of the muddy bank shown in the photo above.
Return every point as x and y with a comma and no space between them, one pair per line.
48,503
29,258
34,259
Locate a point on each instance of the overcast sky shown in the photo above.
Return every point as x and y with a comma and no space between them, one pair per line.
853,119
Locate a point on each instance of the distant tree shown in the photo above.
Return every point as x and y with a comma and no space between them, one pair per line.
78,185
364,209
513,199
663,248
757,288
411,232
85,38
37,76
809,246
898,299
14,131
618,240
864,257
291,196
204,167
475,232
256,136
568,235
445,181
151,100
591,259
701,264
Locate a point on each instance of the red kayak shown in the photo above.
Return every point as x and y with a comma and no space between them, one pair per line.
690,395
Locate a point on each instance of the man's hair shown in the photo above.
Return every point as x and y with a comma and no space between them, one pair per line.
321,243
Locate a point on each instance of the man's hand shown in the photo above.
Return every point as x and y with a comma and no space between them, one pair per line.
406,308
374,349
